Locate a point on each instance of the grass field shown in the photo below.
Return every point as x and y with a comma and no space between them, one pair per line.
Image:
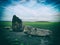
54,26
44,25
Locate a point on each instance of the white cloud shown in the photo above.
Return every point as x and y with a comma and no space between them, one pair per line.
27,13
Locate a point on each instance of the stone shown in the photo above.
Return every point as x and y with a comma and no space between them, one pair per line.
38,32
17,24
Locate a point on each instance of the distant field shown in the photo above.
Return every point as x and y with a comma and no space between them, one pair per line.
44,25
5,23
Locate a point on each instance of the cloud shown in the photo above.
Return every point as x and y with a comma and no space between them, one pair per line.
28,12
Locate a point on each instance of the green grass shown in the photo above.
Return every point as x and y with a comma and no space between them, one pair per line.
44,25
5,23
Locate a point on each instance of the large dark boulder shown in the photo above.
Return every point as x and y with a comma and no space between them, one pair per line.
17,24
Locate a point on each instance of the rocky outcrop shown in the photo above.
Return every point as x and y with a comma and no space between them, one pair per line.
37,31
17,24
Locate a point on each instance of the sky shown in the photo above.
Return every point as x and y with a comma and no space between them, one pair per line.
30,10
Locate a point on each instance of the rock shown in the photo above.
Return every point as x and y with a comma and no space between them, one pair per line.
28,29
17,24
7,27
38,32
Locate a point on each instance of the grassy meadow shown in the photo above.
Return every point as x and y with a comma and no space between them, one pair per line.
54,26
43,25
